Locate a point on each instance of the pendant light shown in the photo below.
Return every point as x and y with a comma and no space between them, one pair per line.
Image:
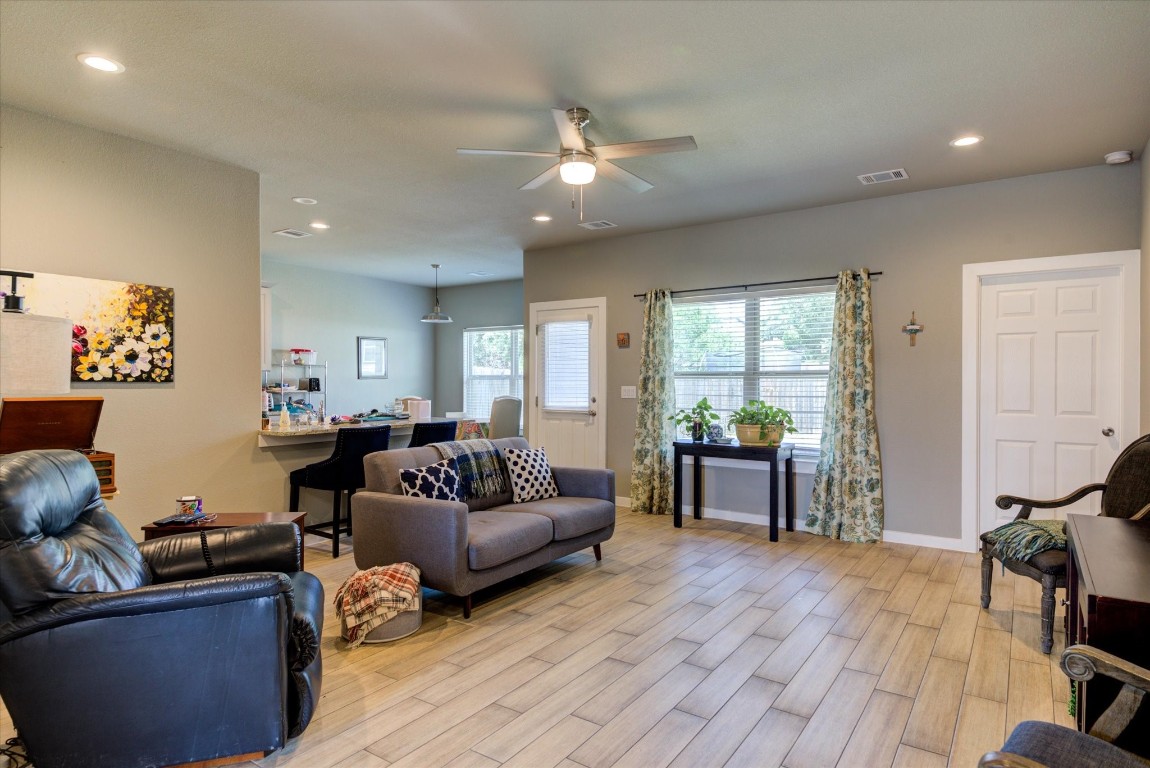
435,316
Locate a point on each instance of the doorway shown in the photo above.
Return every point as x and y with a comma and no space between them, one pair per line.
1050,379
568,408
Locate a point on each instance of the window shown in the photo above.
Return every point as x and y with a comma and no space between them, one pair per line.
565,347
771,346
492,366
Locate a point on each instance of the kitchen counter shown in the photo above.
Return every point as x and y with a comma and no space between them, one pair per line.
271,438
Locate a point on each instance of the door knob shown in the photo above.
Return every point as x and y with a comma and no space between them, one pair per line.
1108,432
592,412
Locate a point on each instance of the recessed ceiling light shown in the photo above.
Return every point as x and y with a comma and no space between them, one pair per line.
102,63
319,225
305,200
541,218
966,141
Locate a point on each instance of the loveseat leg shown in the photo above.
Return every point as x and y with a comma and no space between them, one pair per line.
467,606
598,551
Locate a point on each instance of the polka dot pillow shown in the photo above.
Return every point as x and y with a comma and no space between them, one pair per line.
530,475
437,481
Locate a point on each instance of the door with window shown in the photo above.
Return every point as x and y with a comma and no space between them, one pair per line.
567,408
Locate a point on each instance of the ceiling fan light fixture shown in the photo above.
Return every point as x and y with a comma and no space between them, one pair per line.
577,168
435,315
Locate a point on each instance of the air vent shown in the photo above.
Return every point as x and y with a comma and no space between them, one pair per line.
601,224
881,176
294,234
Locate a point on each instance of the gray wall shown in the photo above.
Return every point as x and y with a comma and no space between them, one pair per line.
470,306
74,201
1145,413
920,241
326,311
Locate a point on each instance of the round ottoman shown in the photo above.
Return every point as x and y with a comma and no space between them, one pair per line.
405,623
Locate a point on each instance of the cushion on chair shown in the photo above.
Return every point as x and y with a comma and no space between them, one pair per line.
530,475
436,481
494,538
1059,747
1052,561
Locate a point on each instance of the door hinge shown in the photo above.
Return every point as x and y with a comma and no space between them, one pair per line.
537,401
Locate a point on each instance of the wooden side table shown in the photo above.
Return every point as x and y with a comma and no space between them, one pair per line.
231,520
770,454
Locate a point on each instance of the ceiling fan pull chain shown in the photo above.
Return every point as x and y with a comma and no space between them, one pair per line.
580,205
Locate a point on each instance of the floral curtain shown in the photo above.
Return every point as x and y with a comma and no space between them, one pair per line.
847,499
651,471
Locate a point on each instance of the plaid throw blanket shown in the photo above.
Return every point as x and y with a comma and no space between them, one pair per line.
370,598
1023,539
480,467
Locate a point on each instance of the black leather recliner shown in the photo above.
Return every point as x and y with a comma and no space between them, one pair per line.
185,648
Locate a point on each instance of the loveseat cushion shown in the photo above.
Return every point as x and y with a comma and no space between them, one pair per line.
530,475
494,538
570,516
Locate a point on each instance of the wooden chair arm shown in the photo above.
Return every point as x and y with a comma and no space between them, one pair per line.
1083,662
1140,514
1007,760
1007,501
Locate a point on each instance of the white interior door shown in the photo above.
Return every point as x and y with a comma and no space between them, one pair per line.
1054,403
569,380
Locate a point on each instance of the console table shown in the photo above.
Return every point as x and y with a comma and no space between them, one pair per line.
1107,598
770,454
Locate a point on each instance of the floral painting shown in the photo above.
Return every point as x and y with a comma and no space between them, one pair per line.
121,332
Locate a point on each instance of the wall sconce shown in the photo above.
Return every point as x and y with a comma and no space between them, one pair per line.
913,328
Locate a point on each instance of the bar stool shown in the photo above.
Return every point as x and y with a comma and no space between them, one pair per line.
342,471
426,432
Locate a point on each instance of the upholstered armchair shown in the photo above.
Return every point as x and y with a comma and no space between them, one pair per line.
186,648
1035,744
1126,493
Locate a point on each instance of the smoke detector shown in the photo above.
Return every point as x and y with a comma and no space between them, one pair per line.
1120,157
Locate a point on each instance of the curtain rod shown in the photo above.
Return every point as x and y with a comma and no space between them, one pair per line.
749,286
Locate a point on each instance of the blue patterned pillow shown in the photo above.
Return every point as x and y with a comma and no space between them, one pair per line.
530,474
438,481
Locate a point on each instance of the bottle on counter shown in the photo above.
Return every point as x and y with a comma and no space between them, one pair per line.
285,418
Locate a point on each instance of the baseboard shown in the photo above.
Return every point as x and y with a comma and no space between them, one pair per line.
923,540
623,501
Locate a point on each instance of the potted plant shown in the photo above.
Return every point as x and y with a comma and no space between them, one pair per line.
699,418
757,423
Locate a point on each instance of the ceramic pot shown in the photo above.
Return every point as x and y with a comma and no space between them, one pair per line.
748,434
697,431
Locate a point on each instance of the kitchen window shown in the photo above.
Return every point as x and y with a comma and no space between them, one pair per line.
492,366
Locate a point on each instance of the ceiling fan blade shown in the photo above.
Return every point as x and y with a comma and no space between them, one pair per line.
569,136
652,147
519,152
626,178
542,178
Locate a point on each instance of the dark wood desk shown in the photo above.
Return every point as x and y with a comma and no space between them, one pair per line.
770,454
1107,598
231,520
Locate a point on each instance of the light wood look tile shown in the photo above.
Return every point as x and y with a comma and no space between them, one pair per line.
876,737
935,712
826,735
687,647
1030,696
980,730
989,672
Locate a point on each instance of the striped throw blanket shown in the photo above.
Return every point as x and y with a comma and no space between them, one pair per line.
370,598
480,467
1023,539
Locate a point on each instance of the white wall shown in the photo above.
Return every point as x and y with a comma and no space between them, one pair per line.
326,311
919,240
1145,412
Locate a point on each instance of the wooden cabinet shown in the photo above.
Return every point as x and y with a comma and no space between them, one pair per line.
1108,598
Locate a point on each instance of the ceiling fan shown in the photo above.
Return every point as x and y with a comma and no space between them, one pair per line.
579,157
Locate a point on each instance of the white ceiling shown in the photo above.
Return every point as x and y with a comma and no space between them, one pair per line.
362,105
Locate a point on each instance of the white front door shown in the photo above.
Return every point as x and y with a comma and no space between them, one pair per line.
567,408
1054,398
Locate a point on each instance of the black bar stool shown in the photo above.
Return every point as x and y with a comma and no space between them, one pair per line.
342,471
425,433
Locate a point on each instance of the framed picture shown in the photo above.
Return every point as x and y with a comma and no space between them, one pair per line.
372,357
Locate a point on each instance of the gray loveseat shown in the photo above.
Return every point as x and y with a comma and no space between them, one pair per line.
463,547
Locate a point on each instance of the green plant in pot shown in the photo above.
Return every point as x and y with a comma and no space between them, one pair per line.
697,419
757,423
